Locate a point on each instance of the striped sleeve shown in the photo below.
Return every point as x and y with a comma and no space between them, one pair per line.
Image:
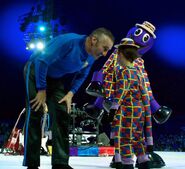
122,85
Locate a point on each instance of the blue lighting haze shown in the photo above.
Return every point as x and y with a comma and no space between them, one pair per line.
11,37
170,44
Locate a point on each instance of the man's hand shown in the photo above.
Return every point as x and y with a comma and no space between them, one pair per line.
39,100
68,99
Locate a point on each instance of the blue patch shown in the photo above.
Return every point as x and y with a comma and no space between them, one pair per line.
11,37
170,44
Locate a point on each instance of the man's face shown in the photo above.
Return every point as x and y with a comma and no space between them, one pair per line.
100,46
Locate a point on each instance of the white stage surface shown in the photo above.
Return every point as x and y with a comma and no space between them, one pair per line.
173,160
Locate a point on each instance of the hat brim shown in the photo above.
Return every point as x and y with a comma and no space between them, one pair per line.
136,46
147,29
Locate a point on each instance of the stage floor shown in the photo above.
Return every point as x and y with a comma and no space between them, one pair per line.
173,160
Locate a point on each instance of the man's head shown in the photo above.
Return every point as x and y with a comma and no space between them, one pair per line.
99,42
143,35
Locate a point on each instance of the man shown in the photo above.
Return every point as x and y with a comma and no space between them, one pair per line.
53,77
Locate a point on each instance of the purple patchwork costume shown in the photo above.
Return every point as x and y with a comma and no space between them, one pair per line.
124,79
133,118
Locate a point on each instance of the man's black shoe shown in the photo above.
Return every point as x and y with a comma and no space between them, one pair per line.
61,166
32,167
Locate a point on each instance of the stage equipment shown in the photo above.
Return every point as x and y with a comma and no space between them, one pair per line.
83,125
12,146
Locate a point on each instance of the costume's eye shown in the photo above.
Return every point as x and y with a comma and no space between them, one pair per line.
146,37
138,32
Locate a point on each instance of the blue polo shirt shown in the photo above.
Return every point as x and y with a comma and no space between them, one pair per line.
64,54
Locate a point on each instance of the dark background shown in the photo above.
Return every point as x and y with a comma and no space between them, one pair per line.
165,62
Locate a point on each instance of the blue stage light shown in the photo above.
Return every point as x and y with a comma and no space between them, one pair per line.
32,46
40,45
42,28
170,44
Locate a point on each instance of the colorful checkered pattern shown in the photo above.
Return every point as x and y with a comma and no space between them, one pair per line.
108,71
139,63
130,88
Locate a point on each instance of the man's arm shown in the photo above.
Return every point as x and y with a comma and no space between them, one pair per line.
41,62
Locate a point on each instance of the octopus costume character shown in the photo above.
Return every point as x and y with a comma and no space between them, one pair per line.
143,36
